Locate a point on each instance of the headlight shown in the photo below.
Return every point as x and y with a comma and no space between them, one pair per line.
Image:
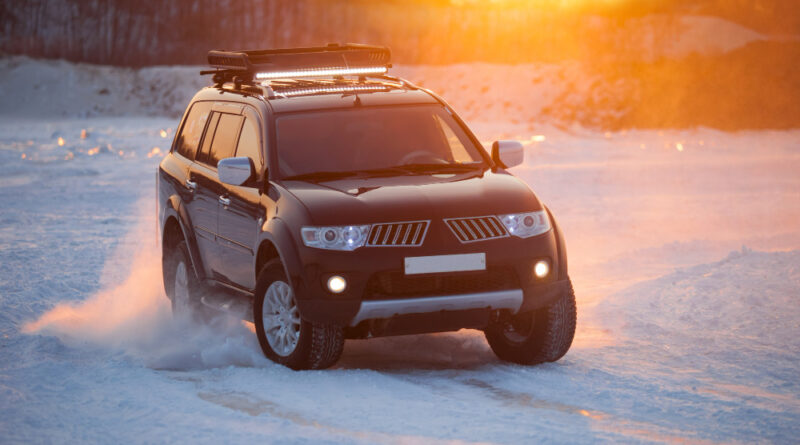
336,237
526,225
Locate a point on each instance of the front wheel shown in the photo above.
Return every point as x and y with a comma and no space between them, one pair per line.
538,336
284,336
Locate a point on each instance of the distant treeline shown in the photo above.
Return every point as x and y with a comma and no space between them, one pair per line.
147,32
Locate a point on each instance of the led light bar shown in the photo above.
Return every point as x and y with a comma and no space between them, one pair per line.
322,72
330,60
332,89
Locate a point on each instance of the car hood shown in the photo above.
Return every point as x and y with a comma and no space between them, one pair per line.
413,197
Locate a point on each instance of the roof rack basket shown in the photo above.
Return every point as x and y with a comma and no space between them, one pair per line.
331,60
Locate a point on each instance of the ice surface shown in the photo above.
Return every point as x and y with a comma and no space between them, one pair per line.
684,334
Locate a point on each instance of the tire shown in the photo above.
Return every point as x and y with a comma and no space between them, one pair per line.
182,286
542,335
288,339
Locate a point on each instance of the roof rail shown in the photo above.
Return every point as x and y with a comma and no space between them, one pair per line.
331,60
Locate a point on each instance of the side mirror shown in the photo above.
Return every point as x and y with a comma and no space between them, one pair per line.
508,153
235,171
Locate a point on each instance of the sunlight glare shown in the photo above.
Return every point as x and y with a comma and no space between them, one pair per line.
541,4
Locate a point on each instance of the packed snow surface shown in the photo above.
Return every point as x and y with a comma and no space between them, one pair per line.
684,249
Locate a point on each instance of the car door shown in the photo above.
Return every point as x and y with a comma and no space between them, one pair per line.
219,142
241,213
176,167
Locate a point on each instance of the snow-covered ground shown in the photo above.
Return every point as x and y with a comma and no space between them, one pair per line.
684,248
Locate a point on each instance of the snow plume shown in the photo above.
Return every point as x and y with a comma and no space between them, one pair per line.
130,313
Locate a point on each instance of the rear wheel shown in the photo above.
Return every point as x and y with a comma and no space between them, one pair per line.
284,336
542,335
182,286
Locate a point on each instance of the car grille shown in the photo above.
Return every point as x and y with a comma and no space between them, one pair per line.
395,284
469,230
410,233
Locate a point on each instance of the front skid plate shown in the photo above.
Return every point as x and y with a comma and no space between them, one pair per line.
507,299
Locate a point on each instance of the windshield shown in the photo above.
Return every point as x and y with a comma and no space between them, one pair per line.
411,138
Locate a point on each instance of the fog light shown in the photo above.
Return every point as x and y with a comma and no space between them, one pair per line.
541,269
336,284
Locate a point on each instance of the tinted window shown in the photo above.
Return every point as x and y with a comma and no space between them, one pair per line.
225,137
193,129
202,156
249,143
371,138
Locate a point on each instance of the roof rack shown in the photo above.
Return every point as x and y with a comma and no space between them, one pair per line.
325,61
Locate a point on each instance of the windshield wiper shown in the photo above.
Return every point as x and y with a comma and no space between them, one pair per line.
321,176
398,170
332,175
435,168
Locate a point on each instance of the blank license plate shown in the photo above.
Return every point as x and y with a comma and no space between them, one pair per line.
445,263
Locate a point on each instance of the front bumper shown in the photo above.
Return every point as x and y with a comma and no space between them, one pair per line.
360,267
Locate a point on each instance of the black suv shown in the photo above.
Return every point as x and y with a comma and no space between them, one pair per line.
329,201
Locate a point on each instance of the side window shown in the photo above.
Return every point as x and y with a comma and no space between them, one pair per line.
202,155
192,130
224,143
249,145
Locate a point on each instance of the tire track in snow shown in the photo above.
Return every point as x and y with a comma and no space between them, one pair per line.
605,421
255,406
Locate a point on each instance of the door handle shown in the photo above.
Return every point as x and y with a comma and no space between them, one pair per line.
191,185
224,201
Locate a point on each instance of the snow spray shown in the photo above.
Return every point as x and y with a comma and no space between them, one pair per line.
133,315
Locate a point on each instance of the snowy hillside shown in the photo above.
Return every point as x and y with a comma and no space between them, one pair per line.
684,247
704,71
62,89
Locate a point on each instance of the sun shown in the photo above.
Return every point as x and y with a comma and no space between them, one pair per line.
541,4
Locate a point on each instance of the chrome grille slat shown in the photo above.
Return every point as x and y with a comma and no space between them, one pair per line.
405,235
397,233
415,240
478,232
465,224
454,225
497,226
388,231
375,235
485,227
479,228
409,234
